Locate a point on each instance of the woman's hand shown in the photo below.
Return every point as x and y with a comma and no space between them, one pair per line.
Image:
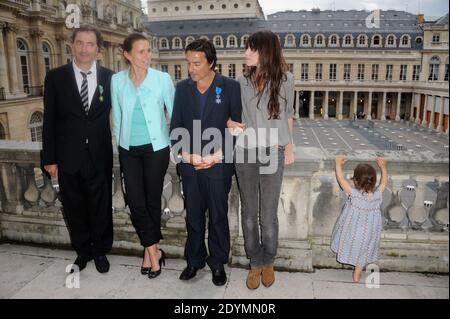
289,157
340,160
235,128
381,162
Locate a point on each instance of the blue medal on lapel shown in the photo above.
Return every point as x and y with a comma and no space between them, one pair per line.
218,91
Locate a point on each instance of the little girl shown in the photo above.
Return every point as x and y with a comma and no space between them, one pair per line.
356,235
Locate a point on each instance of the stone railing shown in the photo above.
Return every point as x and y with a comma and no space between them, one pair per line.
415,210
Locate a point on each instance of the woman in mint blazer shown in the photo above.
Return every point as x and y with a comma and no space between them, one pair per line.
141,98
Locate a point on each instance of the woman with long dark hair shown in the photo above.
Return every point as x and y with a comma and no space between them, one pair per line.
262,151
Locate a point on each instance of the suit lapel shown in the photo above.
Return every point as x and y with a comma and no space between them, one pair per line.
211,99
193,99
74,88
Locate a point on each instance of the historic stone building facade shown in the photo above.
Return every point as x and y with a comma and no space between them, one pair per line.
34,38
395,69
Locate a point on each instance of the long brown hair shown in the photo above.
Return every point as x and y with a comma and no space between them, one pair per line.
365,177
272,68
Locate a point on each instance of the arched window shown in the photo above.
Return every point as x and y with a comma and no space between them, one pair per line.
333,41
47,56
189,40
319,40
232,41
433,68
24,67
362,41
218,41
244,40
177,43
376,41
305,40
391,41
405,40
348,41
36,122
68,53
290,41
164,44
2,132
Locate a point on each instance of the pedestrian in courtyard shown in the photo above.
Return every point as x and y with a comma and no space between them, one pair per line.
141,96
267,91
356,235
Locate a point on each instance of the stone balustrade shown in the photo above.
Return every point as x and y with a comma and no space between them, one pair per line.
415,210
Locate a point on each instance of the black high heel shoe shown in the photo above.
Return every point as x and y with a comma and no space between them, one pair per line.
162,261
144,270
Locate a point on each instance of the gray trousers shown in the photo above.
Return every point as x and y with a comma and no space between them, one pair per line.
260,193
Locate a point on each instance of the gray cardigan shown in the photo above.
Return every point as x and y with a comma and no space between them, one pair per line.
257,118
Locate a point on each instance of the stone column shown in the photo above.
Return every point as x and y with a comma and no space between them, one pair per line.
417,119
383,107
311,105
297,105
325,106
433,110
38,70
61,38
354,105
424,115
441,115
397,111
411,111
340,105
11,31
3,69
369,108
111,56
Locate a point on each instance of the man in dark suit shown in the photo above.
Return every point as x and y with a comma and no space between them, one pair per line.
202,106
77,147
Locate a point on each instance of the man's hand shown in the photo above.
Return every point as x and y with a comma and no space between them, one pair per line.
52,170
193,159
235,128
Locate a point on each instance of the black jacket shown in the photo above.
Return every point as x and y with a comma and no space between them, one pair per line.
66,126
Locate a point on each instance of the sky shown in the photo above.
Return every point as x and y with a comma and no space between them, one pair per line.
432,9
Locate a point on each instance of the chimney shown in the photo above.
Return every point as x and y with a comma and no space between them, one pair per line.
420,19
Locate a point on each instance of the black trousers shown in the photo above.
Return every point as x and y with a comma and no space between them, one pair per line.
143,172
87,205
205,193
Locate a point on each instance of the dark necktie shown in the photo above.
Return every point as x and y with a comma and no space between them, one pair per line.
84,93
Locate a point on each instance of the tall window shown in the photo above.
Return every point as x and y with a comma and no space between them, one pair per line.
304,72
389,68
24,69
376,40
403,72
68,54
434,69
219,68
164,44
333,72
333,41
244,41
177,43
232,71
232,41
165,68
446,73
290,41
36,122
390,41
47,56
319,68
362,40
416,72
361,70
291,67
305,40
348,40
177,72
2,132
405,40
375,71
218,41
347,71
319,41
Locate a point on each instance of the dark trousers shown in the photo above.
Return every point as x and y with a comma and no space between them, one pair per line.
144,171
87,205
205,193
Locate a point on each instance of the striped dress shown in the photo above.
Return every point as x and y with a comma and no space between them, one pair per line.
356,235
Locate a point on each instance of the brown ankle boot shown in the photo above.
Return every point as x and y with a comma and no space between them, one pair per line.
254,277
268,276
